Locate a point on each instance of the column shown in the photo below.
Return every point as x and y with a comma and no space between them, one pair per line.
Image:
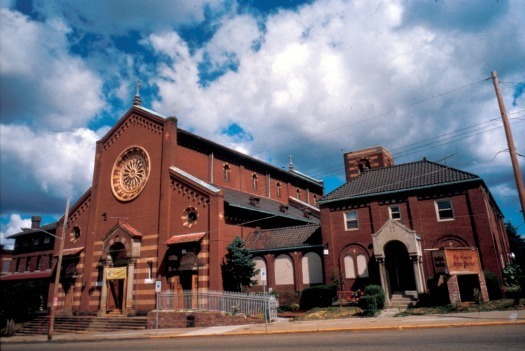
129,290
417,274
103,294
382,276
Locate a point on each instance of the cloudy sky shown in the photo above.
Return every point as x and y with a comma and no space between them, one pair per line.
312,79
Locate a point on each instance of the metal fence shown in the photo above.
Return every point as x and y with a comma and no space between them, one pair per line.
249,304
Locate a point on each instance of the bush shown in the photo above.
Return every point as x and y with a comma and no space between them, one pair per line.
493,285
379,294
288,300
368,304
318,296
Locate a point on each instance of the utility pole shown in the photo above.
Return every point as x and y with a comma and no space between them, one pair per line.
57,276
510,142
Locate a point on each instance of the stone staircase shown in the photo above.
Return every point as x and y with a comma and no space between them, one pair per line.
82,324
403,300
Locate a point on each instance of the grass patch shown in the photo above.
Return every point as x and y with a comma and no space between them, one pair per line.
495,305
330,313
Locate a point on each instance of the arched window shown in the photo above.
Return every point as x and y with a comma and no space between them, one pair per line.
312,268
283,270
349,267
362,266
298,194
255,179
278,190
226,170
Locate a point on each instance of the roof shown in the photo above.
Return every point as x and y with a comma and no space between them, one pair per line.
185,238
51,227
403,177
204,145
303,236
264,205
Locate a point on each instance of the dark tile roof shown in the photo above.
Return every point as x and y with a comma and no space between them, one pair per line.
241,200
302,236
403,177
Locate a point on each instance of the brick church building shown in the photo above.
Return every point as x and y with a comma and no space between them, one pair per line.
163,205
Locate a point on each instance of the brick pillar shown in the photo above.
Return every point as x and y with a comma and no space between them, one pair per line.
483,287
453,290
298,271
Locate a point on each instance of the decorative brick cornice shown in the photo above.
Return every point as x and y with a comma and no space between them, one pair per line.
134,120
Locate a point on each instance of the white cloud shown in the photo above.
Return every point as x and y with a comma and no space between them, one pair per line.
326,71
13,226
41,83
60,164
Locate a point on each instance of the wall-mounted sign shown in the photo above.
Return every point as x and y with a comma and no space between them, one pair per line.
456,261
116,273
263,274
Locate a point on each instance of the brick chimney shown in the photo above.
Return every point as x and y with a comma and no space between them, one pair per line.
35,222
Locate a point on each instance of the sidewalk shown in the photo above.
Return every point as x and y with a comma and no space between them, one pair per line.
385,321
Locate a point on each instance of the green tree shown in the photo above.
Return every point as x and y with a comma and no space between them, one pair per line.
516,244
238,268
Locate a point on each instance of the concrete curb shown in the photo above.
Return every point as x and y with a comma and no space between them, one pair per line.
346,329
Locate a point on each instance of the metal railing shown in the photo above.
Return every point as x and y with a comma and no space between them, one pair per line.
249,304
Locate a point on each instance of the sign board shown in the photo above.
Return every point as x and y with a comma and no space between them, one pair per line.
456,261
116,273
263,274
158,286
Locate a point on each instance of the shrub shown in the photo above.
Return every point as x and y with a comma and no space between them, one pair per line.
493,285
368,304
318,296
379,294
288,300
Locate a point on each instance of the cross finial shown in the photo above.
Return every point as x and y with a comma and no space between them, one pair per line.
136,100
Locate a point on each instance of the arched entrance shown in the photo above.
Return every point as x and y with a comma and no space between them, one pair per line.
398,253
116,286
120,252
399,267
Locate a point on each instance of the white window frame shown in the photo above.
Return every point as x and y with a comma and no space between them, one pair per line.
356,220
391,212
439,211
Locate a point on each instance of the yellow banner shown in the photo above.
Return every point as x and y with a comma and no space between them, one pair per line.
116,273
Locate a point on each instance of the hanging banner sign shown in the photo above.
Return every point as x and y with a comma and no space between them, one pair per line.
116,273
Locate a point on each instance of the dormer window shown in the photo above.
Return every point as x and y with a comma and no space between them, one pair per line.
283,208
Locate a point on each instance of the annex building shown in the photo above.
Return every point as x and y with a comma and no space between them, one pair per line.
387,224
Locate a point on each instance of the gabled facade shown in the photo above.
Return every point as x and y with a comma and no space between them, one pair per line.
163,206
383,223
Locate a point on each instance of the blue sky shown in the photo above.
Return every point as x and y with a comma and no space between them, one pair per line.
312,79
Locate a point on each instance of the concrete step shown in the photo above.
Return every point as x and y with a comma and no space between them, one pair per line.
403,300
79,324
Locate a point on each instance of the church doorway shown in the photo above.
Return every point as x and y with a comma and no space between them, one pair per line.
400,271
117,279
